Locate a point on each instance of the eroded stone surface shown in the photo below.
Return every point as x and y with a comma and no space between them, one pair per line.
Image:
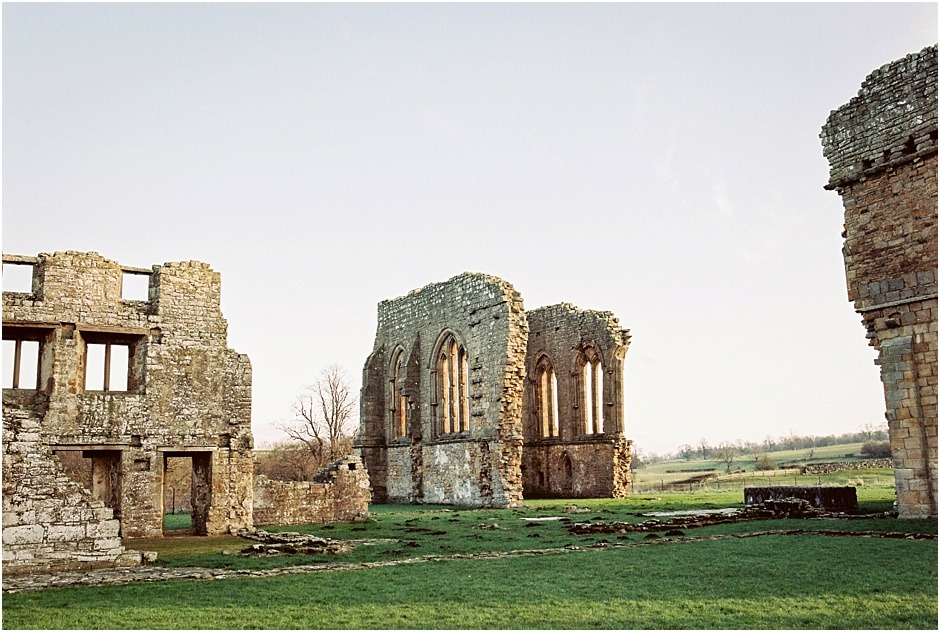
185,394
882,152
340,493
469,400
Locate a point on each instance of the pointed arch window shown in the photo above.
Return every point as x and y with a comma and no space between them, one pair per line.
592,391
453,402
546,399
398,404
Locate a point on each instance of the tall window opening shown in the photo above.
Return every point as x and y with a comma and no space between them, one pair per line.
592,391
106,367
453,402
23,349
398,403
546,384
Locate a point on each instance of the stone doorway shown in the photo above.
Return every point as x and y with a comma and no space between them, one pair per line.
97,470
197,468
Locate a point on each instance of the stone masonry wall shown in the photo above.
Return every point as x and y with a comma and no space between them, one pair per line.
188,395
410,459
575,462
478,466
882,150
340,493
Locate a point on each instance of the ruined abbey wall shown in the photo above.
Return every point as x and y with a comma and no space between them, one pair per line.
882,151
574,439
442,395
450,411
176,390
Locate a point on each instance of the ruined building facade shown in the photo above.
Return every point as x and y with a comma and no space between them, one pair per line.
882,152
469,400
130,383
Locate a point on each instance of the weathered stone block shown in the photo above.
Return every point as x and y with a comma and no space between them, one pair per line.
24,534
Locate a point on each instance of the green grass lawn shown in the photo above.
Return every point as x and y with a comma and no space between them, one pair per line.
775,581
771,582
177,522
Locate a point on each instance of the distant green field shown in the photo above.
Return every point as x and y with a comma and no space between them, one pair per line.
665,475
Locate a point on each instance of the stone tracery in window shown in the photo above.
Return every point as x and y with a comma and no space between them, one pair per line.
398,403
546,399
453,403
592,390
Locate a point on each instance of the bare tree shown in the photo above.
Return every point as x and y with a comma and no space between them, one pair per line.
703,446
726,454
322,415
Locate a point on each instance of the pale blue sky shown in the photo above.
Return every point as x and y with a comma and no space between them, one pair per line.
659,161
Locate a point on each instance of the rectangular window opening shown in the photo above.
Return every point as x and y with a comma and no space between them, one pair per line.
18,277
135,286
106,367
21,360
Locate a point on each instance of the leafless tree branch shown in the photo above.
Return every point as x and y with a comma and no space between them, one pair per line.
323,414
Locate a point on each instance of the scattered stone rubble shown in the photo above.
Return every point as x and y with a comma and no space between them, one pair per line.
290,543
784,508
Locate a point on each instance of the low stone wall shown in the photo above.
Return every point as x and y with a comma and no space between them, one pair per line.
829,498
843,466
340,493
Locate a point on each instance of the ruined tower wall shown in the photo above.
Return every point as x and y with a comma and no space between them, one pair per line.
882,151
476,464
188,394
572,460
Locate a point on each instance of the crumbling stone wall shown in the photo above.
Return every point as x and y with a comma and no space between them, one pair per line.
186,395
339,494
406,441
882,152
842,499
475,461
564,453
845,466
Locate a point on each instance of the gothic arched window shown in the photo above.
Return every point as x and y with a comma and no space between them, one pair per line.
397,402
592,390
453,402
546,397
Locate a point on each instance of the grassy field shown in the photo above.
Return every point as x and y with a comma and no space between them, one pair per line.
711,578
680,473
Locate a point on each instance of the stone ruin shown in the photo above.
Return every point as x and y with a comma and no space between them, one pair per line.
339,493
129,383
467,399
882,152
